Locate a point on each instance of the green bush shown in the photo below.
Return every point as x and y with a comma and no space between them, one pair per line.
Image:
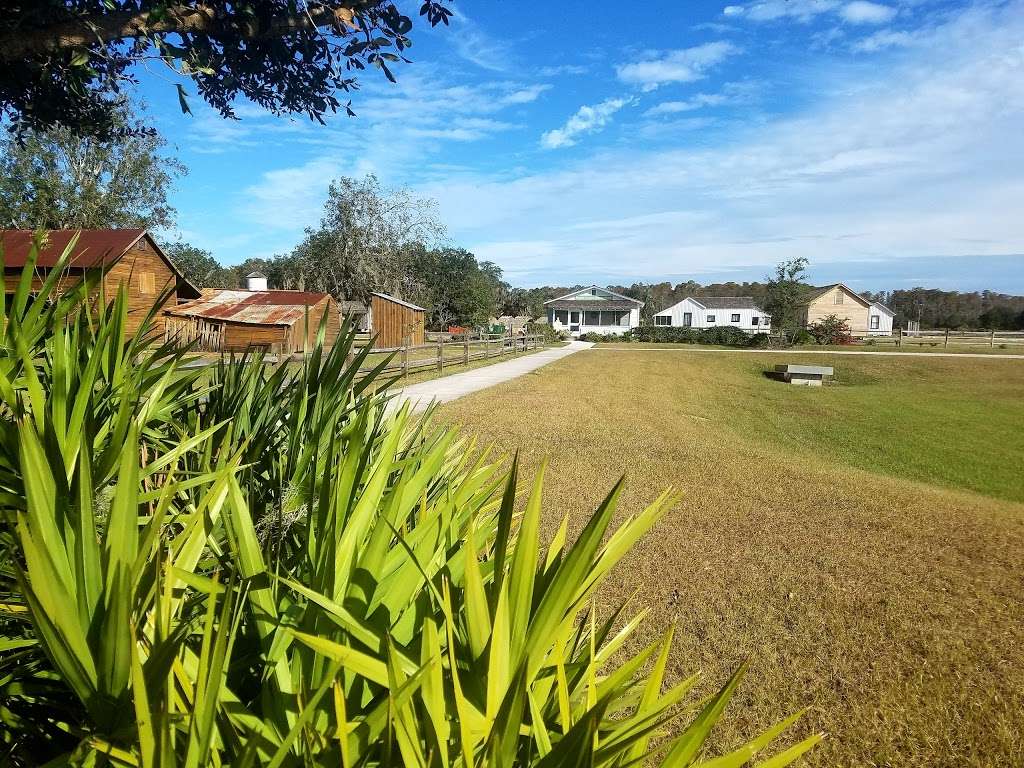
267,565
725,335
802,336
831,329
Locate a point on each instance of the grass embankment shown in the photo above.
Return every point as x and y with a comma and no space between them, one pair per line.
862,544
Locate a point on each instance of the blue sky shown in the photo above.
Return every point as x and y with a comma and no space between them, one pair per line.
596,141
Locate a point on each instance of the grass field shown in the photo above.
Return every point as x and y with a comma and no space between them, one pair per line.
862,544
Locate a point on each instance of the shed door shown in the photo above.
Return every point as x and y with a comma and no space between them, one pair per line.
687,319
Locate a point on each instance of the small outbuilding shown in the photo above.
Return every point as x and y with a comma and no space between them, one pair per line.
282,322
714,312
389,320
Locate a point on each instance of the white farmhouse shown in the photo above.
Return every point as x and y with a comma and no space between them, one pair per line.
880,319
714,311
593,310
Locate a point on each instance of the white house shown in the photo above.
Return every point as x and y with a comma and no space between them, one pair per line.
713,311
880,319
593,310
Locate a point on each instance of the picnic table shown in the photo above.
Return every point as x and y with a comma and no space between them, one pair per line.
804,375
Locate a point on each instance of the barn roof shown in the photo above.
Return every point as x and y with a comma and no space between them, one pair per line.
252,307
94,248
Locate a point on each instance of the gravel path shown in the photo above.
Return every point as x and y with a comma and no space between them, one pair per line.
448,388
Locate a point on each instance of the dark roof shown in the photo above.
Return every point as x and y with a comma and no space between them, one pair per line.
353,307
94,246
608,304
253,307
726,302
256,274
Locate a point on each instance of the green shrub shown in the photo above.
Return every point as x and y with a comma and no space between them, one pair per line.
267,565
802,336
725,335
831,329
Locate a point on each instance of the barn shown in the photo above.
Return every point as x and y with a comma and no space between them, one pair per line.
130,256
278,321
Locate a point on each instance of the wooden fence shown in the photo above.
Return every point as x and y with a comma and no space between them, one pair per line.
208,337
947,338
440,355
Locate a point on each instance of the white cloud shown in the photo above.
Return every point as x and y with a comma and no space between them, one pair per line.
909,161
771,10
525,95
587,119
731,93
855,12
865,12
884,38
680,66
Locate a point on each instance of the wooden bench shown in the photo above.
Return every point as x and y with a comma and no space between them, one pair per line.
804,375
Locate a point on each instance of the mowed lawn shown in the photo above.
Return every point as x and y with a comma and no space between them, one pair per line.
862,544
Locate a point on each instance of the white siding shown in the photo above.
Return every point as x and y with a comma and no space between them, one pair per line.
701,317
884,320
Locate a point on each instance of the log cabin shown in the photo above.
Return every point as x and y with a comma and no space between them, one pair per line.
130,258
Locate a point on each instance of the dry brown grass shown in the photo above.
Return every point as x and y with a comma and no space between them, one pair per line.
893,608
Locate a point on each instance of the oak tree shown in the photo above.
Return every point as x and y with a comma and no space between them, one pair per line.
65,61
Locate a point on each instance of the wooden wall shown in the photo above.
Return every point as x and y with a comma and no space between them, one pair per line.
141,270
394,323
852,310
240,336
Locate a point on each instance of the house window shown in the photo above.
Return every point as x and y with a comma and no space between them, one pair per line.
591,318
874,322
663,320
735,317
562,316
711,318
755,320
839,297
147,283
687,319
593,291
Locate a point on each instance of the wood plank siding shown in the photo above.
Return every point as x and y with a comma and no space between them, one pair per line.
143,271
394,323
844,304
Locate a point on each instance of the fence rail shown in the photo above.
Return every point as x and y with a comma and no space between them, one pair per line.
440,354
948,337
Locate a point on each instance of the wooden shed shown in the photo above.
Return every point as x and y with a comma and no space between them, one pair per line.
282,322
394,322
130,257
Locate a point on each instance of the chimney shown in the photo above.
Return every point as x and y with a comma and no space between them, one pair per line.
255,281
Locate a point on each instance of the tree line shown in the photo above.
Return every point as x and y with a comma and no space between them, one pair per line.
369,238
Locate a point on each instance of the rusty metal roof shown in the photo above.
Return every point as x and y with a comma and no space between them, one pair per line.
94,246
252,307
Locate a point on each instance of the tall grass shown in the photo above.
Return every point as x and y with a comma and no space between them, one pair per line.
269,566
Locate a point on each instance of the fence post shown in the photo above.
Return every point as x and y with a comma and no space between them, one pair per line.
465,347
899,338
946,342
405,357
440,356
992,338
